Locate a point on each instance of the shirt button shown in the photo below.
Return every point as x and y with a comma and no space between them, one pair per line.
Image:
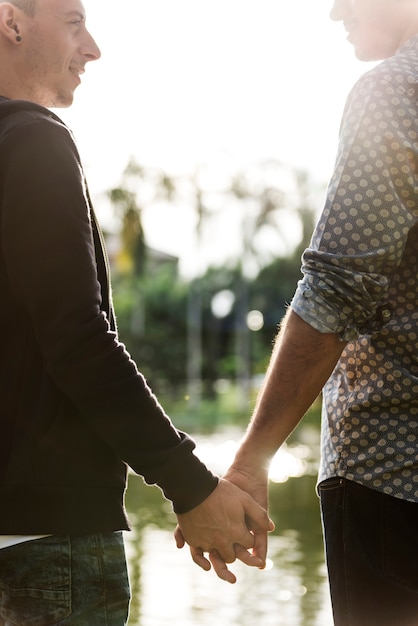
386,314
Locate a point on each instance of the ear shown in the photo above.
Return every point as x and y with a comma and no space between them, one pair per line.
9,22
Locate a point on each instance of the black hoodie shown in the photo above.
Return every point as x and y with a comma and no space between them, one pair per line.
74,410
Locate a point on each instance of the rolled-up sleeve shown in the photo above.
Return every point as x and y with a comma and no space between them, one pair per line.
370,209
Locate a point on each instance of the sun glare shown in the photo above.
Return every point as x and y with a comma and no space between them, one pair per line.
289,462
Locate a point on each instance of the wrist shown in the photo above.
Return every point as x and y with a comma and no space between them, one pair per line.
250,466
252,458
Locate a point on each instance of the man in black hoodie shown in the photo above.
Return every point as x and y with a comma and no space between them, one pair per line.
74,410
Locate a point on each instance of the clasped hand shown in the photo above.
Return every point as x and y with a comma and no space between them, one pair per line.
228,525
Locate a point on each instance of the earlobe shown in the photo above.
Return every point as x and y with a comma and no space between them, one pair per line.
18,37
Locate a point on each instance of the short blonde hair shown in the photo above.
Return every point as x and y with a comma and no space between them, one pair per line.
28,6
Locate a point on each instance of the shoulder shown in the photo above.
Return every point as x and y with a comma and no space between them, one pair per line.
16,115
30,134
385,95
397,75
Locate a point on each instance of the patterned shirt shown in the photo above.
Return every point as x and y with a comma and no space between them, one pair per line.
361,282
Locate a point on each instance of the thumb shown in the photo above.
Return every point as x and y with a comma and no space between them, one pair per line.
257,517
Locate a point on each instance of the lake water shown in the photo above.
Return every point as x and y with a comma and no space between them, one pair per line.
168,588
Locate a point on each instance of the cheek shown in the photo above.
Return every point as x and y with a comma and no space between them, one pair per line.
377,15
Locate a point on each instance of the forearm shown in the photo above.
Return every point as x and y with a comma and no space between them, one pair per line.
301,363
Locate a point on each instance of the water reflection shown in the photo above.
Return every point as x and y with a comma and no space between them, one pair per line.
168,588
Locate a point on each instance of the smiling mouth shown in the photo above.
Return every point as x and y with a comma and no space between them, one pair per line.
350,27
78,71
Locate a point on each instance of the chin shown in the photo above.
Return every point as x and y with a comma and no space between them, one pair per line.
361,55
55,102
63,102
61,99
62,105
374,53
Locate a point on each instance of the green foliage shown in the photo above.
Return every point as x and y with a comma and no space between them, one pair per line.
272,290
168,324
151,315
152,322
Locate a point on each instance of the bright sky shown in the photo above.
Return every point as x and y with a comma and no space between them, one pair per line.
182,83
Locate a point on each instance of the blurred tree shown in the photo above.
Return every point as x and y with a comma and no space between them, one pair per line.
305,208
161,351
267,192
194,308
124,198
170,325
259,201
139,186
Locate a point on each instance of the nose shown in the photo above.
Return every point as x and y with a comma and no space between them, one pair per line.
338,10
90,49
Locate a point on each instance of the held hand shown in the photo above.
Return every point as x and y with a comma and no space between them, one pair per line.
256,484
215,560
226,525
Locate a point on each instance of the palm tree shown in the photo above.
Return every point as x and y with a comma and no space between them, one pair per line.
129,205
264,192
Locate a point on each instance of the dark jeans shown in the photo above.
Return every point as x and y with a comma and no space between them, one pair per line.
65,581
371,542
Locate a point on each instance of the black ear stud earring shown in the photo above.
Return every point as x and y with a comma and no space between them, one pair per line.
18,38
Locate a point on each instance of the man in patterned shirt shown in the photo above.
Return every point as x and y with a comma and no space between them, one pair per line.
352,329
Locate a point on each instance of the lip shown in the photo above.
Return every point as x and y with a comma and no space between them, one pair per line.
77,72
350,27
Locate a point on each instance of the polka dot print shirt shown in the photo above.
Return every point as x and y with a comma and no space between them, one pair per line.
361,282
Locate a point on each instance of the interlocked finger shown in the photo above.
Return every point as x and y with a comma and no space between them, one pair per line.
199,558
221,568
